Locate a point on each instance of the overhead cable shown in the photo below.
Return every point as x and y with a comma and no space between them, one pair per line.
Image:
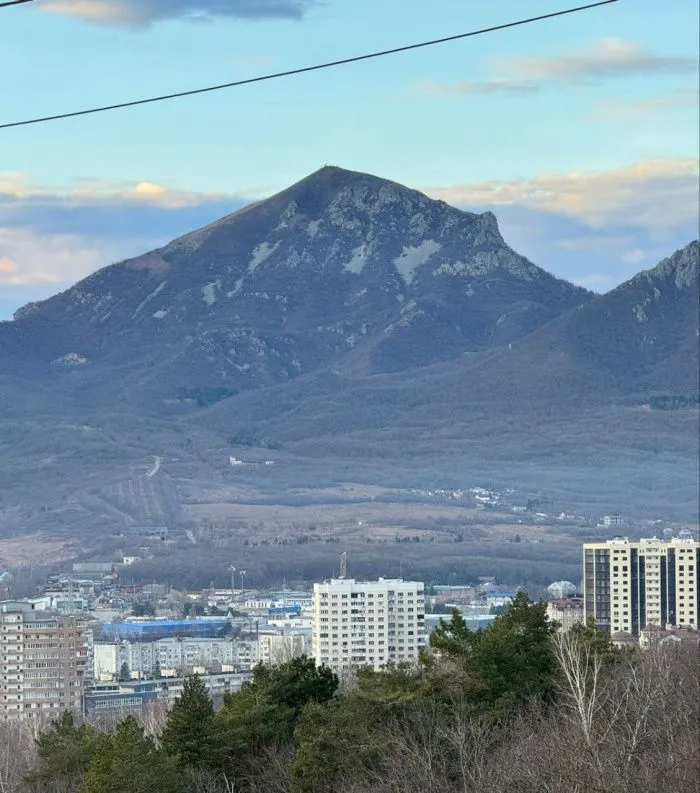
304,69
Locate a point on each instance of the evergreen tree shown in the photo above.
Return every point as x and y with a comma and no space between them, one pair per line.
64,752
124,672
454,637
513,659
594,639
127,761
187,734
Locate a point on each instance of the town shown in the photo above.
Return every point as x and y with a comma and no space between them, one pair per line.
94,644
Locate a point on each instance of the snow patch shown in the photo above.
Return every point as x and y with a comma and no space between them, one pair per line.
313,228
160,314
413,256
358,259
148,298
260,254
236,288
209,292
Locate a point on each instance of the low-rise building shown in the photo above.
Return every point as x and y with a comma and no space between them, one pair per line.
131,696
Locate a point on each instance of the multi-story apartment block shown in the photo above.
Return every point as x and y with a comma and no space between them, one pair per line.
630,584
566,612
371,623
42,661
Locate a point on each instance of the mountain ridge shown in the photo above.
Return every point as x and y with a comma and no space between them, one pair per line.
346,318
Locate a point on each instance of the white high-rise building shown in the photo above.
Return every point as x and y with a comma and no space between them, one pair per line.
367,623
630,584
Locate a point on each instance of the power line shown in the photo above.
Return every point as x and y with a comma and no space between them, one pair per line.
304,69
14,3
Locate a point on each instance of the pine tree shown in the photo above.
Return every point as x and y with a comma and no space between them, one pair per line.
128,761
124,672
188,732
64,752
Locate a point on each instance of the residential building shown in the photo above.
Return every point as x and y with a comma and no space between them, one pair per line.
183,655
566,612
42,661
143,658
653,636
133,695
613,520
367,623
630,584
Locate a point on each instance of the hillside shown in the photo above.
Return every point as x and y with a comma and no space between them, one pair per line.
352,330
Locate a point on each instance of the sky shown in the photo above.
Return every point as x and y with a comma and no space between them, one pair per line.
580,133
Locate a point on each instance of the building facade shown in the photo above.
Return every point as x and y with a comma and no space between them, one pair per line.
566,612
373,623
42,662
630,584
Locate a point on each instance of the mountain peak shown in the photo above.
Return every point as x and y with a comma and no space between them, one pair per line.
682,267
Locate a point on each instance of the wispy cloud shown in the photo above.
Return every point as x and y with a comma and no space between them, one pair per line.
604,59
145,12
622,110
496,85
655,195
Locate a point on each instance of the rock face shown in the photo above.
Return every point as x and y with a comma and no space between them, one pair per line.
346,318
341,271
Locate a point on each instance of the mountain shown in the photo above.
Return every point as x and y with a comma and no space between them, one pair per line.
351,330
340,271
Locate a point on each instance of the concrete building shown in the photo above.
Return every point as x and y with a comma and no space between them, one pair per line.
185,655
566,612
630,584
371,623
133,695
143,658
610,521
42,661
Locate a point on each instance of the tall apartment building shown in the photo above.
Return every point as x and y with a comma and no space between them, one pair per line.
367,623
630,584
42,661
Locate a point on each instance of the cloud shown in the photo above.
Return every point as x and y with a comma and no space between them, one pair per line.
7,266
466,87
623,110
603,59
610,57
144,12
51,237
596,229
657,195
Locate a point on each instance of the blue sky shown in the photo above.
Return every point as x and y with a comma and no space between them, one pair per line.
579,132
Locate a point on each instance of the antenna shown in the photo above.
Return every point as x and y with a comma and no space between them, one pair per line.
343,564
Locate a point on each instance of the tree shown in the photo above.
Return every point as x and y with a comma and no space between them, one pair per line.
127,761
513,659
64,752
262,716
188,733
336,740
453,637
296,682
124,672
